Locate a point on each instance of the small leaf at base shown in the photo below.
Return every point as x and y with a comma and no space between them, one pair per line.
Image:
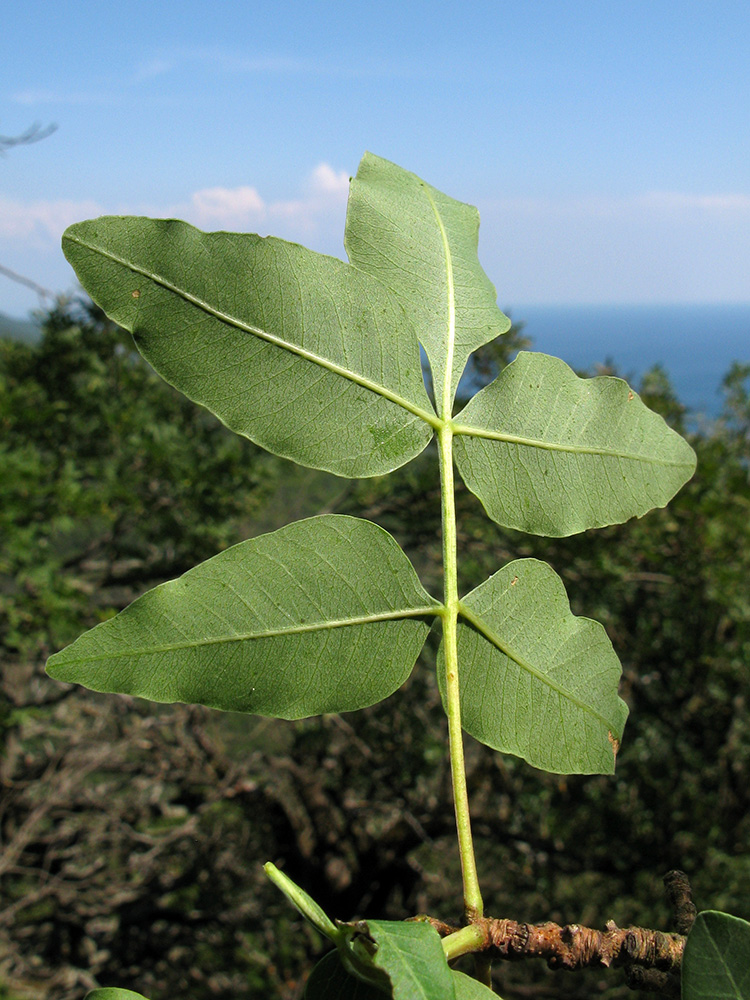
469,989
716,963
330,981
412,956
408,953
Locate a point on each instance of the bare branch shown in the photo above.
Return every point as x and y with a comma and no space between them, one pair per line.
40,290
34,133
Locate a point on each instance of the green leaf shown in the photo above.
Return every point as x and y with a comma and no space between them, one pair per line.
716,963
323,615
535,680
423,245
113,994
412,956
469,989
554,454
409,955
307,356
329,980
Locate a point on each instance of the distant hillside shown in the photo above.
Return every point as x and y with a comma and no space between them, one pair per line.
19,329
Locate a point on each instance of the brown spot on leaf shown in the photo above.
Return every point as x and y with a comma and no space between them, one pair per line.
136,293
615,743
514,581
631,395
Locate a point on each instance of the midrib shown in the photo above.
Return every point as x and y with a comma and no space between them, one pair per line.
271,633
356,377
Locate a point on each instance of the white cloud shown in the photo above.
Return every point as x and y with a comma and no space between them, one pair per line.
649,247
40,221
218,59
225,205
158,66
326,180
236,208
95,98
675,201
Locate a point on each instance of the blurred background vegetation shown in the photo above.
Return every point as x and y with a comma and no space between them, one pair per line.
131,835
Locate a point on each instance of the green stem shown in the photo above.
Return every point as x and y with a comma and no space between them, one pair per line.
449,614
472,938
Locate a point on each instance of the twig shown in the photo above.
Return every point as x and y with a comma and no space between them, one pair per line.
576,947
681,900
652,959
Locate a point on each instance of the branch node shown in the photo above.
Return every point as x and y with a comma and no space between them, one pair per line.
680,898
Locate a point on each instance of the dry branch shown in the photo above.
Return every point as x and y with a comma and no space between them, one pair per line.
652,958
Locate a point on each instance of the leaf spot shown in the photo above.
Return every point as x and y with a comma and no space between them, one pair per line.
136,293
514,581
631,395
615,743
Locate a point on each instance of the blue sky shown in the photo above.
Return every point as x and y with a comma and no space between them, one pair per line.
605,142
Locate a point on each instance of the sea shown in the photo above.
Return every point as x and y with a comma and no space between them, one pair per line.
695,344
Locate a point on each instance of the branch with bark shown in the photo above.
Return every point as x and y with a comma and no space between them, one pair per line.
652,959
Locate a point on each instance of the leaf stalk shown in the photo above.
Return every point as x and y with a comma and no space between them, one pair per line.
472,938
473,904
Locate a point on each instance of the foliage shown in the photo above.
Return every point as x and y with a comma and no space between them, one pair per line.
110,482
99,460
315,360
349,333
551,847
114,994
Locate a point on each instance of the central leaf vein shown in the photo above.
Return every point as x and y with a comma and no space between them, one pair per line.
524,664
451,306
272,633
466,430
271,338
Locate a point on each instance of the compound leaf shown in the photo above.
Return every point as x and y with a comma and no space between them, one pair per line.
423,245
304,354
323,615
535,680
716,963
553,454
